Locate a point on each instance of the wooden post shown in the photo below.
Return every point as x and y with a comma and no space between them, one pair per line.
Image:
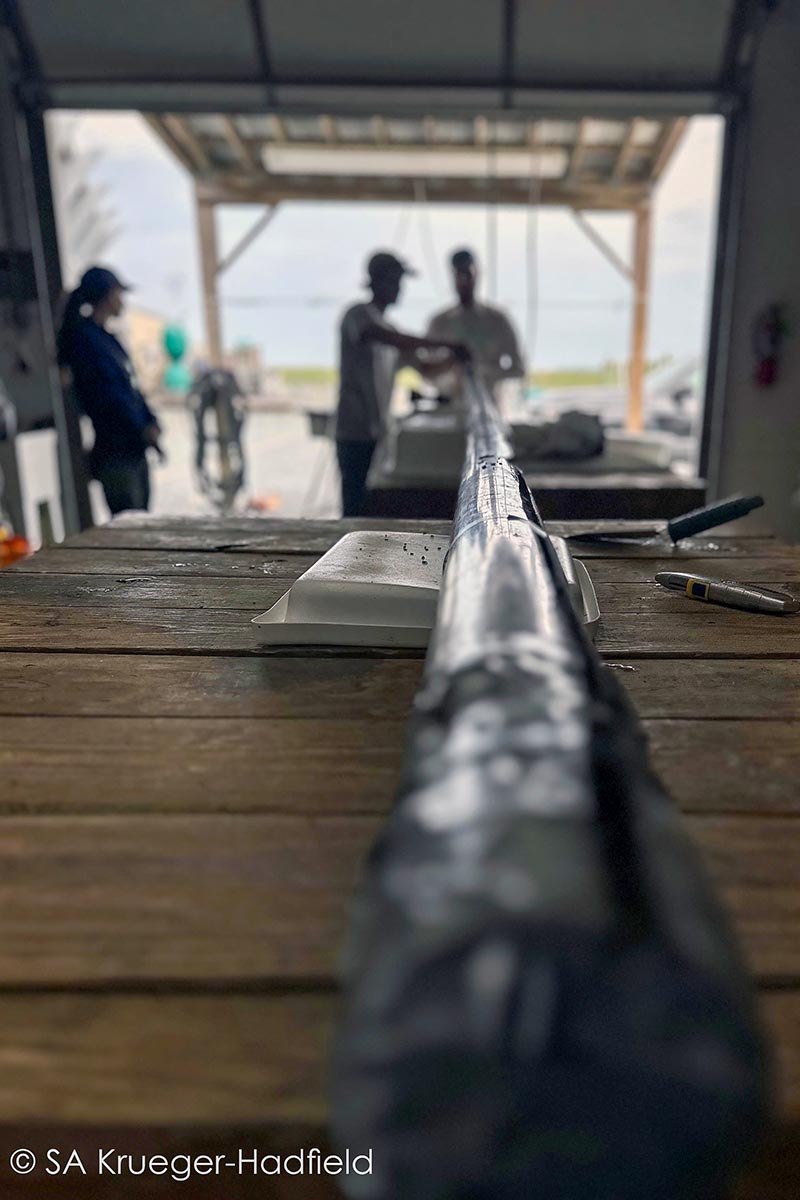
641,297
209,259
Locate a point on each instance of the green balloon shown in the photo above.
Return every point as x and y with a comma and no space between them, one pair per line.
175,342
177,377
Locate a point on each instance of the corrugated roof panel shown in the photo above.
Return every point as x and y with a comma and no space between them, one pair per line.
557,133
254,127
354,129
405,131
455,132
304,129
603,133
646,132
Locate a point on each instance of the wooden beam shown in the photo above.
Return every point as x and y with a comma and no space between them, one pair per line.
480,131
245,241
272,189
641,297
667,145
182,132
379,132
278,128
328,126
209,259
156,123
602,245
576,154
627,146
243,151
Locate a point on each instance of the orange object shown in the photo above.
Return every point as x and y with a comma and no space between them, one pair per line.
12,548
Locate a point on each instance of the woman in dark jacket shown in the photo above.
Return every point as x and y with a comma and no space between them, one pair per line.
105,387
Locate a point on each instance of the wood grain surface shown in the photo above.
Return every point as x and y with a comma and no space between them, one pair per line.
183,812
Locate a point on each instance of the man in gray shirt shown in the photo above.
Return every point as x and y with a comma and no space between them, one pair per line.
486,330
371,351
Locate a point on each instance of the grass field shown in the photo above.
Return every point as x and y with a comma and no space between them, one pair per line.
606,375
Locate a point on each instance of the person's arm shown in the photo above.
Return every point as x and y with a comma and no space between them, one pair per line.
410,344
511,363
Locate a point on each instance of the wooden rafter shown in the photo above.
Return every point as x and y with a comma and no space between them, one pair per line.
182,133
666,146
273,189
576,152
158,126
379,131
328,127
243,151
278,128
626,149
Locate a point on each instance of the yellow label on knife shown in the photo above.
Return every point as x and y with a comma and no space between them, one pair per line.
697,589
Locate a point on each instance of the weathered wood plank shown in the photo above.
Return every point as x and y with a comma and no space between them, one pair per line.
57,765
105,685
120,900
146,1061
126,563
257,592
695,630
254,536
307,537
253,594
728,766
176,685
768,569
150,1060
702,690
195,686
152,765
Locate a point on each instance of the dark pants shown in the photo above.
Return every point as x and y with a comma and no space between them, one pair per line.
126,483
354,461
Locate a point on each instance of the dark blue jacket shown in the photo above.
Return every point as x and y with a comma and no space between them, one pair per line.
105,386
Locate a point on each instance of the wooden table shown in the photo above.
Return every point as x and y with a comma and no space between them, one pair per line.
183,815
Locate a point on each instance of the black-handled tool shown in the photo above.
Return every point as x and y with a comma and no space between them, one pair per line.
712,515
696,521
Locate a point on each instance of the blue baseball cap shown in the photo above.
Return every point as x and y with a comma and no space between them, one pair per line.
97,282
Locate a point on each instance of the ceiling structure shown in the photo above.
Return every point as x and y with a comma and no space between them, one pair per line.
584,163
577,102
573,102
373,56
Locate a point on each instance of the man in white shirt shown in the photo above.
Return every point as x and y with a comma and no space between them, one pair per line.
371,351
486,331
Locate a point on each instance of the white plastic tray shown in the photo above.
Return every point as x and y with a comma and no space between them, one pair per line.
381,589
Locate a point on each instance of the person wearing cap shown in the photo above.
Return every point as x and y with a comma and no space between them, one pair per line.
105,387
484,329
371,351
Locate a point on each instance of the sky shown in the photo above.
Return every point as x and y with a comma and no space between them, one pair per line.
287,290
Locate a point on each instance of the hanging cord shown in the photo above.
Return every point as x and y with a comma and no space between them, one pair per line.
432,262
532,261
402,226
491,214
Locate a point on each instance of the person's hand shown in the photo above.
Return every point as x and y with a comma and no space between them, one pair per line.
461,352
152,434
